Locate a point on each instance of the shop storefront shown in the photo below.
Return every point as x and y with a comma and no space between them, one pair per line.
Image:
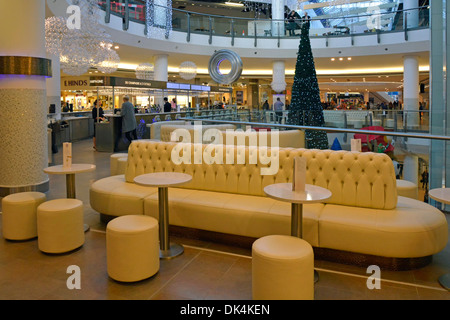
80,93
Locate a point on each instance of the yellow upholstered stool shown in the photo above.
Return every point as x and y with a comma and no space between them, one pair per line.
282,269
114,165
19,215
132,248
407,189
121,166
60,225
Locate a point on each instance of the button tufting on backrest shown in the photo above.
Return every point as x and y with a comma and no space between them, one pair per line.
324,167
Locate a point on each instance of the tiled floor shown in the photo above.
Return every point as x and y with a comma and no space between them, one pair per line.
206,270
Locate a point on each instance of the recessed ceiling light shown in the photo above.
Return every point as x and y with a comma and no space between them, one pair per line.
349,58
341,59
234,4
332,59
116,47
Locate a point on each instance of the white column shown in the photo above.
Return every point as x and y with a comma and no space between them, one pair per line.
161,73
23,107
411,91
412,16
54,86
162,67
411,169
278,17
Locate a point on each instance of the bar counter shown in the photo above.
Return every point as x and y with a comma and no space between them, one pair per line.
110,137
109,134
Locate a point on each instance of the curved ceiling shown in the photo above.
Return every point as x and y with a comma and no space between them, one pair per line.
257,66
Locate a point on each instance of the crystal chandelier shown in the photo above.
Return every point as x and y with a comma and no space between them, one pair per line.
109,59
188,70
55,32
145,71
75,60
278,78
80,49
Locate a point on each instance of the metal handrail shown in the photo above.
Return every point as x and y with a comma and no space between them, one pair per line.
329,129
233,20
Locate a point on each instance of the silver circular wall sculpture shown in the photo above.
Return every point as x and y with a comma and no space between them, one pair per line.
214,66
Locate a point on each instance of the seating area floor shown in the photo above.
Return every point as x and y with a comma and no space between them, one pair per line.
205,271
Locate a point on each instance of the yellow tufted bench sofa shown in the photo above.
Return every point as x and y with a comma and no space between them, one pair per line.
363,222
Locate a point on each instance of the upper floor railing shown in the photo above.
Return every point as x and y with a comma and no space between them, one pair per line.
165,20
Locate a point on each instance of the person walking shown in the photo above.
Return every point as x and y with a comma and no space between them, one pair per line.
278,108
167,105
425,179
128,119
173,105
97,115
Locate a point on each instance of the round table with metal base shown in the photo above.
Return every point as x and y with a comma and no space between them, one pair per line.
168,250
70,178
312,194
442,195
163,180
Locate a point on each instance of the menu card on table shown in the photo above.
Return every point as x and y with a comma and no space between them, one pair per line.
299,177
67,155
356,145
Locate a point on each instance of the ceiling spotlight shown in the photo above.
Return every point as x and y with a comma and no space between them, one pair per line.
333,59
349,58
341,59
116,47
234,4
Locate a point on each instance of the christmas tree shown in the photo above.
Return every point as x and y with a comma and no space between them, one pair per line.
306,108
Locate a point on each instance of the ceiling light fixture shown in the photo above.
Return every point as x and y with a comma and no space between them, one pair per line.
234,4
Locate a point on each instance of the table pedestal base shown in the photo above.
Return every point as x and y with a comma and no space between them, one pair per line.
168,250
71,193
297,220
445,281
297,227
174,251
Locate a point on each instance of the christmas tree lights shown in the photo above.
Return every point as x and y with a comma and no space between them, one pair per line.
306,108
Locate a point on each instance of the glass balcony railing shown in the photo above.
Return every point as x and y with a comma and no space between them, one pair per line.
398,121
367,21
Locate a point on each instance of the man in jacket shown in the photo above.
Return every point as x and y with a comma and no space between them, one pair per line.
167,105
128,120
278,108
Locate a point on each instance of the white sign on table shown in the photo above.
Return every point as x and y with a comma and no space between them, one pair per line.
299,177
356,145
67,155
